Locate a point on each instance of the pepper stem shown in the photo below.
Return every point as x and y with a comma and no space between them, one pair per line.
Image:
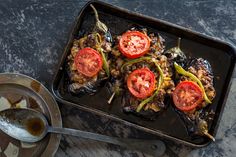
95,12
209,135
111,98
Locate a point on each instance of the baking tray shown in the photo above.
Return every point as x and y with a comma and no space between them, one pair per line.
168,124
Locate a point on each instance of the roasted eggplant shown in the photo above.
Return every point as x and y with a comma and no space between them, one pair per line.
88,53
199,72
175,54
123,63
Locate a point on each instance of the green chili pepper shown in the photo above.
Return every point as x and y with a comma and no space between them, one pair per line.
144,102
133,61
180,70
160,81
104,59
105,63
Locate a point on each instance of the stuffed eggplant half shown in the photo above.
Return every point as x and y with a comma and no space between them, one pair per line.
144,71
87,64
194,91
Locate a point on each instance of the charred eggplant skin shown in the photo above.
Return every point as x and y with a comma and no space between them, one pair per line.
175,54
130,104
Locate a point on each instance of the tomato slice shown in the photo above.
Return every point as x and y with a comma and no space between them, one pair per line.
134,44
141,83
88,62
187,96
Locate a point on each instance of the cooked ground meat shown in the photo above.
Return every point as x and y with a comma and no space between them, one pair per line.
202,69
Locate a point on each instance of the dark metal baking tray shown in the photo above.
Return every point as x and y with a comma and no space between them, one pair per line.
168,124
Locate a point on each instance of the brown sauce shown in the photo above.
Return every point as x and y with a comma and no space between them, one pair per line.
35,126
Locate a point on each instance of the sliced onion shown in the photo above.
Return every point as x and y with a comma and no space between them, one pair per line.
4,104
11,150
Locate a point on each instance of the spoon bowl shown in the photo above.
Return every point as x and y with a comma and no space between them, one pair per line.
24,124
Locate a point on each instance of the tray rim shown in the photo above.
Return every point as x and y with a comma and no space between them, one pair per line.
162,135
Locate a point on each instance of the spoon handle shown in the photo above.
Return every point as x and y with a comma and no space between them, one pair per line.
152,147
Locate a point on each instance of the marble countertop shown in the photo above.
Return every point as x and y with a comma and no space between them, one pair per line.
33,35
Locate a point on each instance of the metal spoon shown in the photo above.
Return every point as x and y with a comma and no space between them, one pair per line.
31,126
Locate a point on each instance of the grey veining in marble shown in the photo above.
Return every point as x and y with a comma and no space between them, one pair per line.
33,34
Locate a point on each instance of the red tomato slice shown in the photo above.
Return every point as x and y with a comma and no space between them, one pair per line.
134,44
88,62
141,83
187,96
